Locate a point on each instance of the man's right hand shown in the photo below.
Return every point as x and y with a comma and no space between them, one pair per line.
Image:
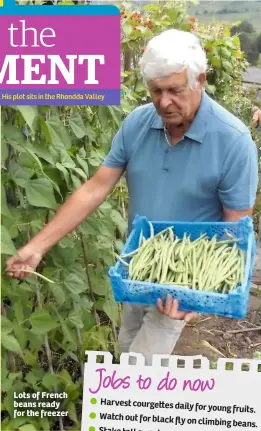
27,258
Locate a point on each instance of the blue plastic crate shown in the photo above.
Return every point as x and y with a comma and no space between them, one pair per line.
233,305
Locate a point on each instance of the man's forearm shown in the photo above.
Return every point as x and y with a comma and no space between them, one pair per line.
71,214
233,215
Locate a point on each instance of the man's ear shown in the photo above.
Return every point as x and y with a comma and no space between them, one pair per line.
202,79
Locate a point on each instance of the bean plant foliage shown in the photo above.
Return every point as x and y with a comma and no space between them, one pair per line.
47,153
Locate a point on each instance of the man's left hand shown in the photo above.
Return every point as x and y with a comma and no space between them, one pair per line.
171,309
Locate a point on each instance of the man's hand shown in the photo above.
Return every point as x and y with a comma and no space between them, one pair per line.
171,309
256,120
27,258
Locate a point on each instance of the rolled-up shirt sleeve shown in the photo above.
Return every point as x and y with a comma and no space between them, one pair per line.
239,180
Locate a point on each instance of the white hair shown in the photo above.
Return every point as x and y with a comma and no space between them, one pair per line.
173,51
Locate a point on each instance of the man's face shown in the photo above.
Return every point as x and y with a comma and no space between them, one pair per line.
174,101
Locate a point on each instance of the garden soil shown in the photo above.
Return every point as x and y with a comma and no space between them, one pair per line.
210,336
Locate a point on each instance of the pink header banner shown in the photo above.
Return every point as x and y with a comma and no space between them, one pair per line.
59,53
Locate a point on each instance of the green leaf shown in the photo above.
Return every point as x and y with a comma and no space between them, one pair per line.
103,116
12,224
14,376
66,160
4,208
116,114
211,89
80,172
75,284
58,133
76,319
69,335
83,164
13,135
31,378
29,358
42,322
6,385
72,412
105,207
7,246
64,376
76,182
139,88
11,343
96,157
19,310
225,52
88,319
127,29
12,424
54,176
65,257
40,193
6,325
104,242
20,175
30,151
4,150
119,221
110,307
227,66
58,293
21,335
86,304
100,284
257,355
49,381
25,287
119,244
44,153
29,113
8,401
77,125
215,61
27,427
65,173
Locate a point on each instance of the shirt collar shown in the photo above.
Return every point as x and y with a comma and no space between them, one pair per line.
197,128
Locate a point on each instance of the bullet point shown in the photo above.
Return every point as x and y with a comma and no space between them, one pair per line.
91,429
93,415
93,401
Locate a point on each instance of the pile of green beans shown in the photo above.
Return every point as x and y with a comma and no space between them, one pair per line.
203,264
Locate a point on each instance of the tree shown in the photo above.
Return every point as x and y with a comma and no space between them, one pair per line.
245,42
244,27
250,46
258,42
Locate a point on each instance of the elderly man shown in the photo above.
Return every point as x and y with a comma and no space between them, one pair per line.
185,157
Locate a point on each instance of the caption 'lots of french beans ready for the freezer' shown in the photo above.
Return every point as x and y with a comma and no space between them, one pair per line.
202,264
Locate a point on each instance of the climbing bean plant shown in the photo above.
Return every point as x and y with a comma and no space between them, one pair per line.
48,152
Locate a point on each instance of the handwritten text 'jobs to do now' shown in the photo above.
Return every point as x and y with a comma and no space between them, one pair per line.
169,383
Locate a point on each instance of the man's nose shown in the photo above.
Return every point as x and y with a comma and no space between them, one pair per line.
165,101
